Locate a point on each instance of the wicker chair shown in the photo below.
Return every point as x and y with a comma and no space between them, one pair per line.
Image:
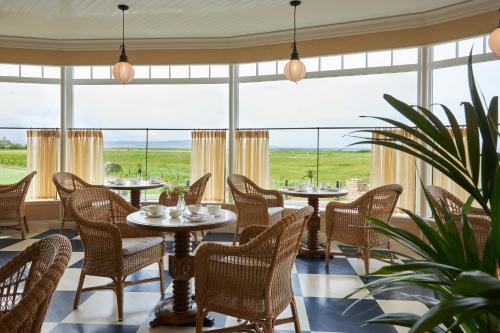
479,221
12,199
251,281
27,282
193,197
67,183
112,248
347,223
255,205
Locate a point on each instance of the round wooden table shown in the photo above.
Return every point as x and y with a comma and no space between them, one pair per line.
180,308
135,189
312,247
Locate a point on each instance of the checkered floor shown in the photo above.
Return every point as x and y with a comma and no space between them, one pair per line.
319,294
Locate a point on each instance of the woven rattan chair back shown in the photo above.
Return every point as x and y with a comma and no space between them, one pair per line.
66,183
13,197
27,282
479,221
193,197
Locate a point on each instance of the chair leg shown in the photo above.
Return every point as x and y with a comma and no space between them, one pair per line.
366,258
119,297
162,282
61,228
21,227
269,326
195,236
295,315
327,252
26,224
199,320
390,251
235,238
78,291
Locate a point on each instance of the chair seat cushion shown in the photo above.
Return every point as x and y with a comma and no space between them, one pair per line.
271,211
134,245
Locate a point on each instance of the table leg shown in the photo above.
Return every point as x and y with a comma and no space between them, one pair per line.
180,308
312,247
135,198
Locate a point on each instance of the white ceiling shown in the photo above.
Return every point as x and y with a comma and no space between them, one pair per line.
100,19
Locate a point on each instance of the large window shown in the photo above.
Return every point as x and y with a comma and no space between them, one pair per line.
321,102
24,105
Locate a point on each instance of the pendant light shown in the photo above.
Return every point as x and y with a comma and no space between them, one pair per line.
494,40
122,70
295,70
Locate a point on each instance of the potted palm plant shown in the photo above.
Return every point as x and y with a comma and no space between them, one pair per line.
448,261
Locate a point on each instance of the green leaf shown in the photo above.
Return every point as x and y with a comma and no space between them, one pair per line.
475,283
400,319
457,134
472,140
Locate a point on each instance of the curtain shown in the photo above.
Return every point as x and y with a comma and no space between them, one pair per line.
85,155
251,158
208,154
441,180
43,156
390,166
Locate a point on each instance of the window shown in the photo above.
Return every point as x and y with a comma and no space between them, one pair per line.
23,105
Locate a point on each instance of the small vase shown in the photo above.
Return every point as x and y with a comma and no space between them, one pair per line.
310,182
181,204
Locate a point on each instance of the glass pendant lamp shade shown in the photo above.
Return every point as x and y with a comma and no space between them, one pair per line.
295,70
123,72
494,41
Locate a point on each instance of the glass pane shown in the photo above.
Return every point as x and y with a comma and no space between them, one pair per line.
312,64
219,70
179,72
9,70
377,59
248,69
51,72
12,156
289,160
405,56
444,51
160,72
201,71
474,44
31,71
281,66
331,63
101,72
81,72
356,60
141,72
267,68
152,105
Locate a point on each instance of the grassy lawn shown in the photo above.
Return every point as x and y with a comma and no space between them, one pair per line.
174,164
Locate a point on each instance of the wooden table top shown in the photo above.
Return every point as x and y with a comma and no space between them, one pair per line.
142,185
331,193
165,223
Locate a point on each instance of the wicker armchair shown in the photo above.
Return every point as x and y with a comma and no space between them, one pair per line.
27,282
251,281
193,197
67,183
112,248
347,223
479,221
12,199
255,205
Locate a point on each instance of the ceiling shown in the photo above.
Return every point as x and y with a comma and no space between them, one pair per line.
186,19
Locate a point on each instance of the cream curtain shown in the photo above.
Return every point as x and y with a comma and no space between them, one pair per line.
390,166
43,156
441,180
208,154
85,155
251,158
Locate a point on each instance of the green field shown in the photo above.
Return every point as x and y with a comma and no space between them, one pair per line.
174,164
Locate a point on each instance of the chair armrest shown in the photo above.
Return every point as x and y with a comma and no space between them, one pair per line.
8,188
274,198
251,232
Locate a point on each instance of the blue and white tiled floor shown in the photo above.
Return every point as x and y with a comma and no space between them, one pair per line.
319,294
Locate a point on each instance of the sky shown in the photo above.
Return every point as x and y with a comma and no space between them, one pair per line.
335,101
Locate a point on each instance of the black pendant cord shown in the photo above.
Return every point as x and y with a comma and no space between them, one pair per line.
123,54
295,53
294,24
123,28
